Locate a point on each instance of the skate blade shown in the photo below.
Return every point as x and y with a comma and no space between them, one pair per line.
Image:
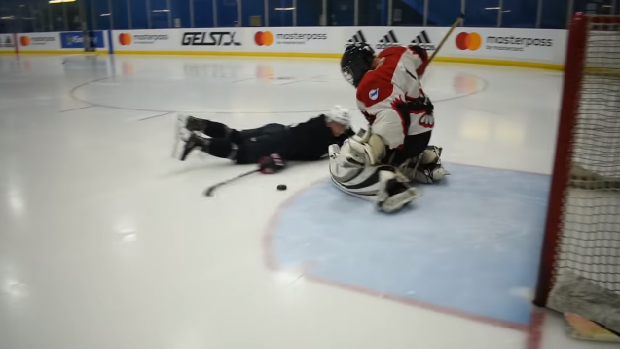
180,134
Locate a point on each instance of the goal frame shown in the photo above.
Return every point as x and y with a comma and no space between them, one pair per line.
573,77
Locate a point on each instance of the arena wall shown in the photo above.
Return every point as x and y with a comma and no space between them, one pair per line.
495,46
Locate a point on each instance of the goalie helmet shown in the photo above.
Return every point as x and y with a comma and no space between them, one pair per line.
339,115
356,61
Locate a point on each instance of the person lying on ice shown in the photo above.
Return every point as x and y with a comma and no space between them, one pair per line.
299,142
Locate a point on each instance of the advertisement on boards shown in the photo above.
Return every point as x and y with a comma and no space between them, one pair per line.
145,40
222,39
381,38
7,42
74,40
293,39
533,45
38,41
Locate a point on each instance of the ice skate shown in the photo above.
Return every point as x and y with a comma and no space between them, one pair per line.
195,140
185,125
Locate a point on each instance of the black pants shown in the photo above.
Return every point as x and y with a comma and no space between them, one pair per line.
413,146
258,142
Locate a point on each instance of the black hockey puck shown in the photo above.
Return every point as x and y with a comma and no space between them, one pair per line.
281,187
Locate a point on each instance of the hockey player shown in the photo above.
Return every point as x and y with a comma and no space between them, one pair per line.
301,142
395,149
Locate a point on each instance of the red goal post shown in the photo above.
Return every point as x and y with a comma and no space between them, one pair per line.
582,233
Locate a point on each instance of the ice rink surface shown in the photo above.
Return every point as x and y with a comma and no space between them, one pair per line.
106,241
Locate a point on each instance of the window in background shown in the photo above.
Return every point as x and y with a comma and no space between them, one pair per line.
340,12
58,22
120,15
44,9
519,13
227,15
408,12
203,13
443,13
253,9
309,12
553,14
159,13
281,13
138,14
599,7
180,13
481,13
6,18
371,12
25,19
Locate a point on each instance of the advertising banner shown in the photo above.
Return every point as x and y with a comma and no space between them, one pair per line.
503,44
6,42
75,40
294,39
38,41
220,39
531,45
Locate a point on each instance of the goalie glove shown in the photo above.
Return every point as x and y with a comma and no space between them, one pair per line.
364,148
421,104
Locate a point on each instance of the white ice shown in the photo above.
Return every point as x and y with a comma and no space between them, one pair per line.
106,242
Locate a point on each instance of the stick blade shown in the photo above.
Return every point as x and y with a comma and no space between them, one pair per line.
209,192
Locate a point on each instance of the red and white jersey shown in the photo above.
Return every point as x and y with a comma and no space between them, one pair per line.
383,93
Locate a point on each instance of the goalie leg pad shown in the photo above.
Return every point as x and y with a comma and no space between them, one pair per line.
394,192
389,190
426,168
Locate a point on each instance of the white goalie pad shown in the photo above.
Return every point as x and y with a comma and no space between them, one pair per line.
389,190
426,168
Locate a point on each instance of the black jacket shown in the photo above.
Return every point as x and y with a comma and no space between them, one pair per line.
310,139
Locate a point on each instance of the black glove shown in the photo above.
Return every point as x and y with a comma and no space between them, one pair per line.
423,103
271,164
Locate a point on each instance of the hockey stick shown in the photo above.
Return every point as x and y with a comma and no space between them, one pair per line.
209,191
443,41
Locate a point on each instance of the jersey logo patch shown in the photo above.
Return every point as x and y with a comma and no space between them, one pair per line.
427,120
373,94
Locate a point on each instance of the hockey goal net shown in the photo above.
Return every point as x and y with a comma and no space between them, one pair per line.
581,252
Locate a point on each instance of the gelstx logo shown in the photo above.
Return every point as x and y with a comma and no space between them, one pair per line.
124,39
263,38
209,39
468,41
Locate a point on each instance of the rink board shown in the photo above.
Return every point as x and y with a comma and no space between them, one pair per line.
469,246
544,48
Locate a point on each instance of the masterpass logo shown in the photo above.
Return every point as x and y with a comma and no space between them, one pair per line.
263,38
35,40
124,39
24,40
267,38
468,41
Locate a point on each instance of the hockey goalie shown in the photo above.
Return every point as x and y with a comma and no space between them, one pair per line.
380,164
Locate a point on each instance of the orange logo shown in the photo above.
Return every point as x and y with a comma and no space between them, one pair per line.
124,39
263,38
24,40
468,41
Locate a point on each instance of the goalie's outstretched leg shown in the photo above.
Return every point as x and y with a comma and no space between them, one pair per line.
426,167
381,184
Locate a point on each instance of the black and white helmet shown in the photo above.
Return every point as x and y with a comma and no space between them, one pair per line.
356,61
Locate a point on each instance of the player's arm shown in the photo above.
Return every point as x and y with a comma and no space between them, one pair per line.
419,59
